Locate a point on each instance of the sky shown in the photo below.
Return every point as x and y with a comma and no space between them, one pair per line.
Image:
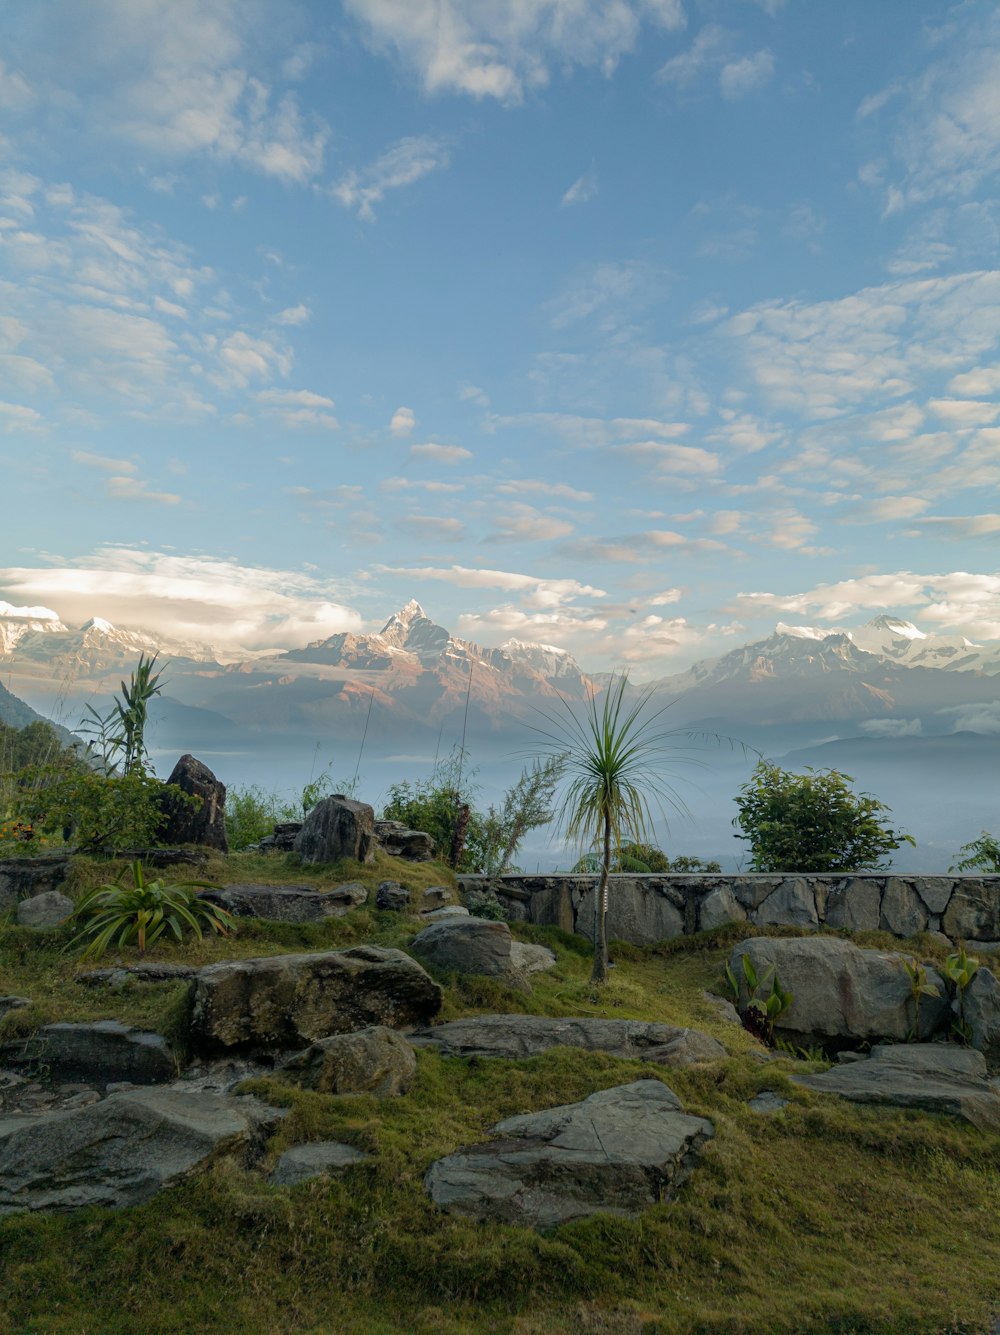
629,326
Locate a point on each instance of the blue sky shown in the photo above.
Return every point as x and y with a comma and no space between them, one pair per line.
631,326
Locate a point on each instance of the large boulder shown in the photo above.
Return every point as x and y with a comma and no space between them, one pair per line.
373,1061
49,909
320,1158
23,878
337,828
289,1001
617,1152
399,842
288,903
841,994
124,1149
973,912
203,824
518,1036
935,1077
467,945
981,1007
101,1052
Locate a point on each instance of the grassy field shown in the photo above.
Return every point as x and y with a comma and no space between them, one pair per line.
821,1218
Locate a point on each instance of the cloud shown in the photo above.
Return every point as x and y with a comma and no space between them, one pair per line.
503,48
981,380
665,598
442,454
294,315
669,460
982,718
134,489
433,528
412,484
964,526
19,417
101,461
189,598
597,432
891,727
705,52
299,408
531,486
964,412
583,189
403,422
739,78
608,290
537,590
523,523
405,163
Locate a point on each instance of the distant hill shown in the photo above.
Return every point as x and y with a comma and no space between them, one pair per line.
17,714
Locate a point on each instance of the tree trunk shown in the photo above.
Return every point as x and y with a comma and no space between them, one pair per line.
599,974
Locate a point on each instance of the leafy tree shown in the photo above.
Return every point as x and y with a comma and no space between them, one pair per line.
641,859
441,806
494,838
812,822
611,757
982,854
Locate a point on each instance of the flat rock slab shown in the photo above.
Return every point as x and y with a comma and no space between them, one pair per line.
321,1158
100,1053
150,972
123,1150
288,903
934,1077
617,1152
519,1036
289,1001
375,1061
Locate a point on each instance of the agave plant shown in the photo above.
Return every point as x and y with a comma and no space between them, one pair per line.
143,911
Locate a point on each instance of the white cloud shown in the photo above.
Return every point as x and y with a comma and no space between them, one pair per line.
294,315
964,412
531,486
891,727
433,528
669,460
964,526
665,598
740,77
294,398
982,718
523,523
19,417
134,489
187,598
412,484
502,48
405,163
403,421
102,462
247,358
16,92
299,408
608,290
537,590
705,52
583,189
442,454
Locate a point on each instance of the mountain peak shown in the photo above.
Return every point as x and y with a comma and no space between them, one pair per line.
100,625
895,626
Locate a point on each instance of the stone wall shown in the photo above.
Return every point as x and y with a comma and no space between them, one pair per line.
644,909
23,878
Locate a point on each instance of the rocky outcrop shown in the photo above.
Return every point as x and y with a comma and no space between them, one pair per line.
399,842
617,1152
519,1036
23,878
288,903
320,1158
337,828
289,1001
124,1149
477,946
934,1077
840,995
43,911
101,1052
374,1061
203,822
392,896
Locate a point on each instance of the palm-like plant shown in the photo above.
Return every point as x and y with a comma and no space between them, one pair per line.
613,759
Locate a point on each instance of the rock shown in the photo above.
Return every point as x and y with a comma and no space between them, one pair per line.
936,1077
725,1009
903,911
46,910
982,1015
617,1152
640,910
526,958
205,825
973,912
337,828
391,895
519,1036
124,1149
288,903
434,897
13,1004
719,907
320,1158
151,972
373,1061
283,838
792,904
767,1102
399,842
467,945
477,900
22,878
449,911
935,891
853,905
97,1052
839,992
288,1001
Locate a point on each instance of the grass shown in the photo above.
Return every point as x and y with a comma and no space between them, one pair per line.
825,1217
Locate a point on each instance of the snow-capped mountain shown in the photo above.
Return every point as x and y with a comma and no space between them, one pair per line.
16,622
44,647
554,664
902,642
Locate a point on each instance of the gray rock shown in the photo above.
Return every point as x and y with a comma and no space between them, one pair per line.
719,907
289,1001
205,825
853,905
391,895
751,891
526,958
935,891
320,1158
435,897
792,904
973,912
903,911
982,1015
767,1102
935,1077
519,1036
617,1152
124,1149
399,842
151,972
337,828
725,1009
97,1052
640,910
22,878
840,992
13,1004
373,1061
46,910
448,911
288,903
467,945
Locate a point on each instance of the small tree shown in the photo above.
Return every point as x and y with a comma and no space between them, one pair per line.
982,854
496,836
812,822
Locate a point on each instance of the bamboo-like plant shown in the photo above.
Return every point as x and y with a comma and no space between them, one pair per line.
121,733
612,758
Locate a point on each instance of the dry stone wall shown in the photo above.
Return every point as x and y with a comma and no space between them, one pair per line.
644,909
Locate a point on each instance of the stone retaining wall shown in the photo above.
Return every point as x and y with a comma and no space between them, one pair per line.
23,878
644,909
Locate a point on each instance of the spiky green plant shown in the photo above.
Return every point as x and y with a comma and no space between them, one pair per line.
612,760
959,970
121,733
143,911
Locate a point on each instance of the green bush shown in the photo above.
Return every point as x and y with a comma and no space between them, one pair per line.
252,812
982,854
93,810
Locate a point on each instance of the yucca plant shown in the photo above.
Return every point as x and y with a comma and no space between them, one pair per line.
143,911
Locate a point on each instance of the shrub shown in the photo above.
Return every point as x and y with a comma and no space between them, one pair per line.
95,811
252,812
982,854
